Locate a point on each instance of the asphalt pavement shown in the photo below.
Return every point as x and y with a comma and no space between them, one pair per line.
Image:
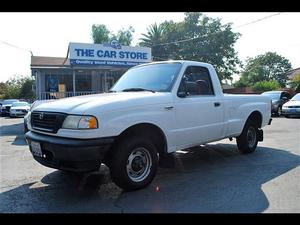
212,178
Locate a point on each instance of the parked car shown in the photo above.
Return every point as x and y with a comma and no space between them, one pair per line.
6,104
153,110
278,99
292,108
19,109
33,106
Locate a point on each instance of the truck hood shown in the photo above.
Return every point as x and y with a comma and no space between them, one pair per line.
104,102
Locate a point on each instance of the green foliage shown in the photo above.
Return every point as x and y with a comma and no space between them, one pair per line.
263,86
241,83
101,34
209,41
269,66
295,83
125,36
19,87
3,89
26,89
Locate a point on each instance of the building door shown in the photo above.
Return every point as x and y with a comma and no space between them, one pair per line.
107,82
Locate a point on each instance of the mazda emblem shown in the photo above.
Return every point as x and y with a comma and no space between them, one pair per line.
41,116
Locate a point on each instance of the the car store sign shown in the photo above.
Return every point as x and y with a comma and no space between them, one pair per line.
110,54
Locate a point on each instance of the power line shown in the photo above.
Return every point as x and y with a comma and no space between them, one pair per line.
14,46
190,39
255,21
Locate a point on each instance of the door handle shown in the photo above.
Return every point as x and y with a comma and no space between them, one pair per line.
217,104
169,107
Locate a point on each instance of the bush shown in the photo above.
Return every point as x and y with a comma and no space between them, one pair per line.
263,86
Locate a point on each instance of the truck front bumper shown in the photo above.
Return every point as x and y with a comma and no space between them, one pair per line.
79,155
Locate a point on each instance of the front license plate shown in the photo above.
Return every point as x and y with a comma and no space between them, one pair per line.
36,148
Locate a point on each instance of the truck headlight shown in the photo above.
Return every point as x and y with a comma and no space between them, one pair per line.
80,122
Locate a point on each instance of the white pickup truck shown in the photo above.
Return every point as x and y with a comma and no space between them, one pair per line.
153,110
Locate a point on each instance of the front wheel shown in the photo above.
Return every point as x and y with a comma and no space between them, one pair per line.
248,139
134,163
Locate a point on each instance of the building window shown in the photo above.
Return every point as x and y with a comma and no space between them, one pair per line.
83,82
59,81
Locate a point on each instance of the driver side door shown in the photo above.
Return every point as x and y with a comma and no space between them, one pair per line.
200,114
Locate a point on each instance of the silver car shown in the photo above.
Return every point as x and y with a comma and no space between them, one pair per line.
19,109
292,108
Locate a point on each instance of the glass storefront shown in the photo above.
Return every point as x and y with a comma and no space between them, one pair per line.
59,83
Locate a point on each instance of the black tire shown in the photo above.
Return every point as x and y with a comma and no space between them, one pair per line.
133,155
287,116
248,139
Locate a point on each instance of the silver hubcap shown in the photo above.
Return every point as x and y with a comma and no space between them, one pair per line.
251,137
139,164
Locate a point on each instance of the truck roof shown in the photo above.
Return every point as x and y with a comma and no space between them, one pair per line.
176,61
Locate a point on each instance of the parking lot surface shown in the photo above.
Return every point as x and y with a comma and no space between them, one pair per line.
211,178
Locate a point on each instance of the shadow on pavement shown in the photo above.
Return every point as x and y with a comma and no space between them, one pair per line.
14,130
11,130
210,178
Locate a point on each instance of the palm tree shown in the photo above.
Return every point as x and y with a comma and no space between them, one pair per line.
154,37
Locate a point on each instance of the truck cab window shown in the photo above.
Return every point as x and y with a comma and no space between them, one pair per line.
196,81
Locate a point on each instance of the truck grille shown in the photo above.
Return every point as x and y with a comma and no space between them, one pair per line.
47,121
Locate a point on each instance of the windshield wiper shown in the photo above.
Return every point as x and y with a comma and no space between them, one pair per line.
138,89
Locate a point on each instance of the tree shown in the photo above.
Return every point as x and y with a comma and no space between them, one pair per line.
198,38
100,34
19,87
125,36
3,90
263,86
26,89
295,83
154,38
266,67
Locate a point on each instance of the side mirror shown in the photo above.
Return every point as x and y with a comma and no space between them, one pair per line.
181,94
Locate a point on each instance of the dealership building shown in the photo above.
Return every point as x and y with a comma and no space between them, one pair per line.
88,69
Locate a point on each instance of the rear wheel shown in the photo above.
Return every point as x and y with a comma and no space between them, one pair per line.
134,163
248,139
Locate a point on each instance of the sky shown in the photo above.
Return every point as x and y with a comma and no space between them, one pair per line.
48,34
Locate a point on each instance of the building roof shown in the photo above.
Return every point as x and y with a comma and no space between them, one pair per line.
45,61
292,73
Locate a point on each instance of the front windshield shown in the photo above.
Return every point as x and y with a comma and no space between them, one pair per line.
296,97
16,104
157,77
273,95
9,101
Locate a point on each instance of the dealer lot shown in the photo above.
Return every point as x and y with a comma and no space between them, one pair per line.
210,178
